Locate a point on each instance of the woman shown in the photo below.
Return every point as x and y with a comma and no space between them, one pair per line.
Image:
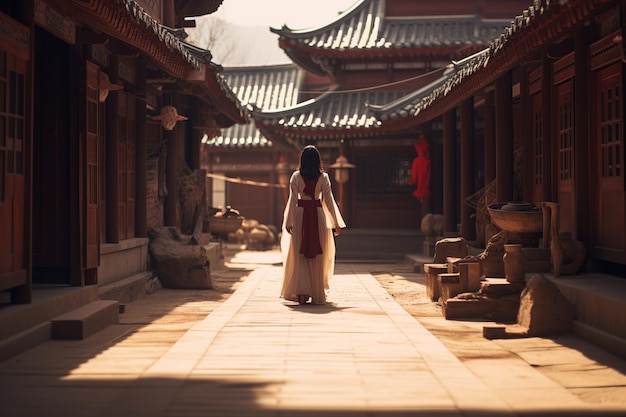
308,246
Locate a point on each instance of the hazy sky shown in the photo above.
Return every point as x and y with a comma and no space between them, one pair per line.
297,14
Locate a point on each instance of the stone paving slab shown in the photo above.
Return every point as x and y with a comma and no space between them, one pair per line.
256,355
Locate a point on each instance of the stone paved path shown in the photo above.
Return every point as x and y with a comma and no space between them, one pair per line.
255,355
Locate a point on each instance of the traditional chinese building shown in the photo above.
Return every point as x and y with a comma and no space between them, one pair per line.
547,95
90,151
376,53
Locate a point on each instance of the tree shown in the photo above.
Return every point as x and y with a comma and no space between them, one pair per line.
221,38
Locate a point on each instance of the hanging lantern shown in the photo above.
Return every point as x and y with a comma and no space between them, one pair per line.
342,169
105,85
168,117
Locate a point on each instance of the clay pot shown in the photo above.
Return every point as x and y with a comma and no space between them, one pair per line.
514,263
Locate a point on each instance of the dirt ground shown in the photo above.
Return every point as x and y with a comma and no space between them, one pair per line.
586,370
589,372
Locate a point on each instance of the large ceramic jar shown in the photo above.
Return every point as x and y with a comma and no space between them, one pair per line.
514,263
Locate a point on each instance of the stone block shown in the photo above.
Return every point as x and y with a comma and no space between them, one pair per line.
494,332
431,271
458,308
450,247
452,262
544,310
86,320
450,285
470,276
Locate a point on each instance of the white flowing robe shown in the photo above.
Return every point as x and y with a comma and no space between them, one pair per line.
309,276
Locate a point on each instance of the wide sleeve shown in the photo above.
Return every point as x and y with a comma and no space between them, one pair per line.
292,202
333,215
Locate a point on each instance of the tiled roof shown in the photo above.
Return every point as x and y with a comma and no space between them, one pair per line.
163,32
365,30
222,95
411,104
565,12
264,87
333,114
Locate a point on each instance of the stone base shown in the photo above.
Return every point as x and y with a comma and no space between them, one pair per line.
431,271
86,320
496,309
450,285
457,308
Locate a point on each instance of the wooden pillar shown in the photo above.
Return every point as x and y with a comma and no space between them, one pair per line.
526,137
546,112
504,137
171,169
174,148
436,168
449,174
426,205
112,159
468,228
141,156
490,137
582,167
196,147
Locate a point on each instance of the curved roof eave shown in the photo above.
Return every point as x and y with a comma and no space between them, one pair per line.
545,20
366,32
127,21
404,106
341,17
333,114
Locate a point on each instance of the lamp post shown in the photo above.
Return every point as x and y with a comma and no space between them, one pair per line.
342,174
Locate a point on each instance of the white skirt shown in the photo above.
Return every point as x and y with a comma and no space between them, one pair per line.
307,276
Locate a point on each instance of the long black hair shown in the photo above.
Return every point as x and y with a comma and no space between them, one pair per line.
310,162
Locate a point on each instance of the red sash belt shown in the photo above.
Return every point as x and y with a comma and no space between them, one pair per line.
310,245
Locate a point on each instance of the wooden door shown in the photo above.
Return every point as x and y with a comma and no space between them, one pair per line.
13,268
565,156
608,208
126,165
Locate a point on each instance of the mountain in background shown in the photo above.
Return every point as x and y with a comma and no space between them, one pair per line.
234,45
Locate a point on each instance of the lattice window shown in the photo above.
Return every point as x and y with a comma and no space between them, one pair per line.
12,122
611,128
566,132
376,174
126,164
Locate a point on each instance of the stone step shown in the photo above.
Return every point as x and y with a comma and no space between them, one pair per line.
86,320
131,288
49,301
27,339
